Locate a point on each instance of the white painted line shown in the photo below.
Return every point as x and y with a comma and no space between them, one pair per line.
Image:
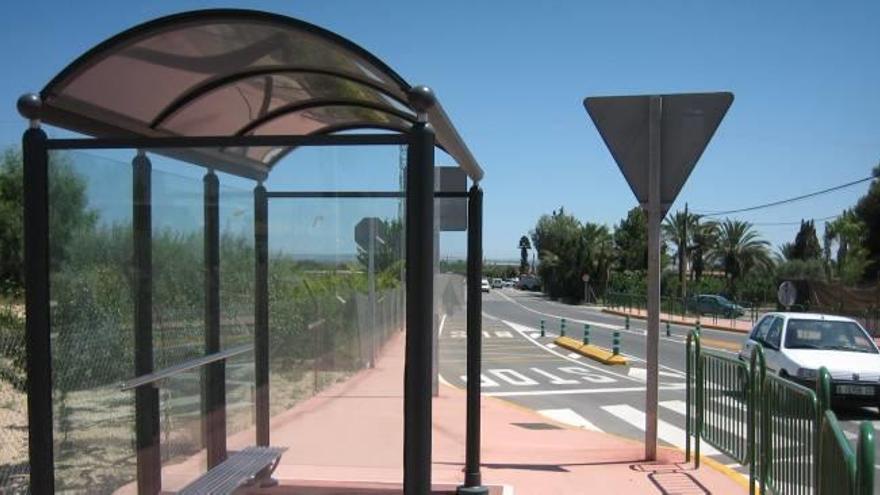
535,335
569,417
577,391
524,331
665,431
513,377
678,406
486,334
640,373
443,381
551,345
574,355
442,324
555,380
503,334
485,381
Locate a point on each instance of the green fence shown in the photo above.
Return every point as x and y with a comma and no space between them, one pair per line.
683,307
785,433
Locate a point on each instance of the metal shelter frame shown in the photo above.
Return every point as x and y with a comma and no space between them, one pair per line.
422,124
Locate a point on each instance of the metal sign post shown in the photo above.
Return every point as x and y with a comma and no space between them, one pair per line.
366,233
656,141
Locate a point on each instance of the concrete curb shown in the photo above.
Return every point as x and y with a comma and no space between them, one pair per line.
593,352
713,326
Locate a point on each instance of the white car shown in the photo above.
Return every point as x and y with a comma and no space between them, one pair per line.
484,285
796,345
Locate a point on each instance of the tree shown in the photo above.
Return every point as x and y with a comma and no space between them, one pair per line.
599,257
741,250
388,251
678,229
631,240
806,243
69,213
560,243
848,232
524,246
868,211
705,240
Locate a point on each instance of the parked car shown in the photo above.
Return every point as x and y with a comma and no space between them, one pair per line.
497,283
484,285
713,304
529,282
796,345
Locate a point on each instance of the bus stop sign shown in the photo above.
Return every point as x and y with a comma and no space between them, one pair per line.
688,122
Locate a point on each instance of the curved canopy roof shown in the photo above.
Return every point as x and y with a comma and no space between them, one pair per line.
235,73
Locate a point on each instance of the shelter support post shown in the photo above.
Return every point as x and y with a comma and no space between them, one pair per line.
419,310
655,216
472,477
214,395
149,463
36,266
261,313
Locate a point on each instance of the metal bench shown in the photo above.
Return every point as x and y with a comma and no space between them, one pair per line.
240,468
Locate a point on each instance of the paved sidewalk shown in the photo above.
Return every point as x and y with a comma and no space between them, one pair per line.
349,439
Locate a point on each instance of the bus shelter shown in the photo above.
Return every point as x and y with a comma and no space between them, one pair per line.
233,92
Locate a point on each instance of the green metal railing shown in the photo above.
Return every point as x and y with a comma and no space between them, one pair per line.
678,307
785,433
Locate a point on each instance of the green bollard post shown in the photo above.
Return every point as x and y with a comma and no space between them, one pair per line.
562,327
542,328
586,334
616,343
627,322
668,331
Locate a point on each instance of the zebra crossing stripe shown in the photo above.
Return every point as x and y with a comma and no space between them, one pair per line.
668,433
569,417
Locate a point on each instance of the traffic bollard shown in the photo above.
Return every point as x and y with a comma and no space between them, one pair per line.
668,332
586,334
697,328
627,322
542,328
616,343
562,328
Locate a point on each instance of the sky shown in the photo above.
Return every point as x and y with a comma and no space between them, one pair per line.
513,75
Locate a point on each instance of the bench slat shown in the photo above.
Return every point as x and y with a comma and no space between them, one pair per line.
237,469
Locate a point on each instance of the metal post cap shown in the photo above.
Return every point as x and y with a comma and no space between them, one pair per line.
30,106
422,98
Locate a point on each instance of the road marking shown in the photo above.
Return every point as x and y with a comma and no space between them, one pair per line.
551,345
442,324
665,431
503,334
678,406
574,356
485,381
486,334
586,375
569,417
577,391
555,380
513,377
642,374
522,330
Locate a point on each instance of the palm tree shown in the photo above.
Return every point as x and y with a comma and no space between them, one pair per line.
705,240
524,246
740,249
678,229
599,257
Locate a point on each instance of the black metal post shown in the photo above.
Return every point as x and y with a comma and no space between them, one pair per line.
472,477
261,312
38,348
419,310
146,399
214,394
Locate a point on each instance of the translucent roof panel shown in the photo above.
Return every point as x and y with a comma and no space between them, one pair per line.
234,72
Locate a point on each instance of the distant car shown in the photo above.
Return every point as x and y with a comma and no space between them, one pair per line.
796,345
484,285
497,283
507,283
529,282
712,304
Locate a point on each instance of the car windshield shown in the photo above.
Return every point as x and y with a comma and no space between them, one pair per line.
827,335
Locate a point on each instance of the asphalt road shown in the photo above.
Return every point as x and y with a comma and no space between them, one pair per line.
522,367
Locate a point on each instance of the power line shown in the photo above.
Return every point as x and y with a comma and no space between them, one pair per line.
773,224
789,200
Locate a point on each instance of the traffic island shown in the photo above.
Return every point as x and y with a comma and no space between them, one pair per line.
591,351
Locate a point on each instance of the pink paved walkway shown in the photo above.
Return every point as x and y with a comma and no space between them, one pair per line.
351,436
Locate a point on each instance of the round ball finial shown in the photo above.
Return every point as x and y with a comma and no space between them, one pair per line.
29,106
422,98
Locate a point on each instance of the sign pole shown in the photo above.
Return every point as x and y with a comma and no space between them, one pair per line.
655,216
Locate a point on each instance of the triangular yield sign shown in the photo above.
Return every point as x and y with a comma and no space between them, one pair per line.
688,123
